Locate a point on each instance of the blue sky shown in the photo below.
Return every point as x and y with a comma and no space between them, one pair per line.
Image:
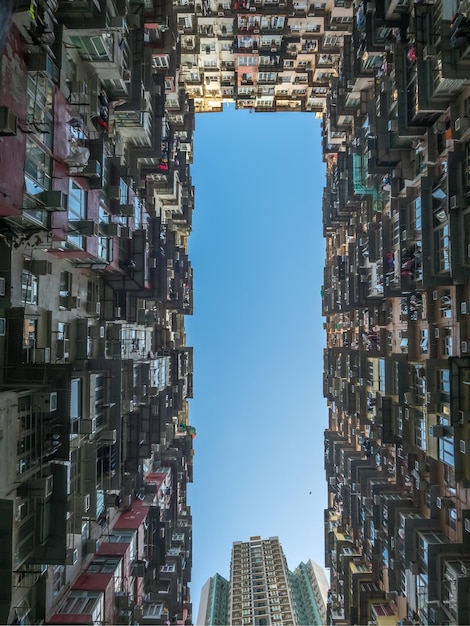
258,254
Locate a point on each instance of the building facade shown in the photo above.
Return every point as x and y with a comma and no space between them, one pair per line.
97,107
213,603
262,590
396,301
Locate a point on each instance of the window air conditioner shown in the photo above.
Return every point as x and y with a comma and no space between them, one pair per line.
41,268
85,228
463,446
53,200
72,556
464,417
87,426
8,122
111,230
113,192
434,295
42,488
436,430
2,287
453,202
436,332
463,308
463,346
45,402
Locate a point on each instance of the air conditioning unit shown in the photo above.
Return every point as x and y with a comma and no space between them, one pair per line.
45,402
122,599
81,503
42,488
404,235
8,122
93,308
96,332
87,426
111,230
113,192
453,202
463,308
53,200
71,557
467,524
127,210
109,436
436,332
92,545
41,268
463,446
140,390
407,413
429,53
409,397
2,287
463,346
92,169
434,295
62,348
436,430
85,228
117,312
443,503
464,417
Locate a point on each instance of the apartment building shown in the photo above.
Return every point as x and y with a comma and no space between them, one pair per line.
262,590
95,284
396,301
97,106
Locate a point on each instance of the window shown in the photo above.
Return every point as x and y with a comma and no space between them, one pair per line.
161,61
441,249
76,210
29,287
37,167
247,61
40,106
95,48
446,443
420,431
154,610
168,568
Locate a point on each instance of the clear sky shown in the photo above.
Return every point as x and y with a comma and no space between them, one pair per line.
258,253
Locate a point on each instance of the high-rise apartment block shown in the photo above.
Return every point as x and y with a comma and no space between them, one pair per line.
396,301
262,591
97,106
214,602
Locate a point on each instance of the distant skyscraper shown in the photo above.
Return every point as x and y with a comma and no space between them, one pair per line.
310,587
213,606
262,591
